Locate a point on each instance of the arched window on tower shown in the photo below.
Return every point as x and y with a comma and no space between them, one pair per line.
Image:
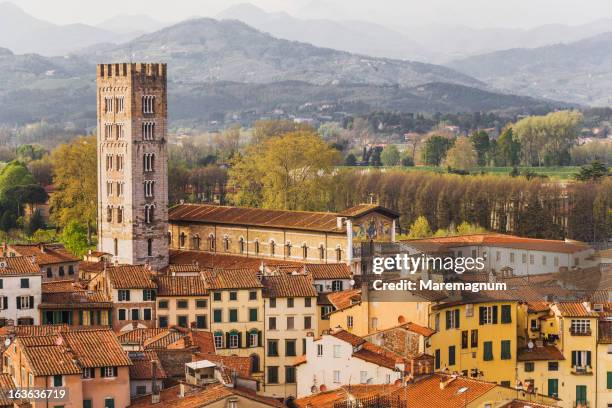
149,213
150,247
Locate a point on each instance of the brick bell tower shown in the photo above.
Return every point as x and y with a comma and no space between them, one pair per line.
133,163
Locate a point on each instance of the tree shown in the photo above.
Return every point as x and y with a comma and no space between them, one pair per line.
462,156
390,156
350,160
287,172
74,177
508,148
28,152
228,142
592,172
14,174
34,223
465,228
480,141
265,129
75,237
419,229
407,160
435,150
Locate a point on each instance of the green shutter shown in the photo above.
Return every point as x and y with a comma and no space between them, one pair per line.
109,403
494,308
506,314
488,351
610,380
505,350
481,312
451,355
581,391
553,387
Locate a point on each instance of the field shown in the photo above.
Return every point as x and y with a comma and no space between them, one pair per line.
560,173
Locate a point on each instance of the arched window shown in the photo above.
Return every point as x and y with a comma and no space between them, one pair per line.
288,249
304,251
109,213
241,245
211,242
338,253
253,339
272,247
321,252
226,243
148,209
119,215
182,240
256,245
255,365
234,339
150,247
196,241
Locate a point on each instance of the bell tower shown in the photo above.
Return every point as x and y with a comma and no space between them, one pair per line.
133,163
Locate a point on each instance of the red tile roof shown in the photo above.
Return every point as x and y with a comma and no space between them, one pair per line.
142,368
181,286
232,279
138,336
256,217
574,309
96,348
363,209
505,241
327,399
329,271
539,353
345,298
224,261
162,339
18,265
288,285
526,404
130,277
349,338
241,365
6,384
45,254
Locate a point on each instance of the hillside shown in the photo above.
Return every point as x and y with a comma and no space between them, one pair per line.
224,70
578,72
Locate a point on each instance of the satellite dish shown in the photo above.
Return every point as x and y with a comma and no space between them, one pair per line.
7,342
530,344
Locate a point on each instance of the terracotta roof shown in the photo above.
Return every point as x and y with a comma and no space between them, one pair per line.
34,330
76,299
349,338
232,279
96,348
6,384
138,336
327,399
130,277
45,359
345,298
142,367
181,286
61,286
18,265
203,340
329,271
526,404
446,397
92,267
162,339
224,261
539,353
371,356
241,365
410,326
505,241
256,217
363,209
574,309
537,307
288,285
201,397
46,254
184,268
299,360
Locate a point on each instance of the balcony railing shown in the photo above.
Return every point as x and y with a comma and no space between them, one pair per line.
582,370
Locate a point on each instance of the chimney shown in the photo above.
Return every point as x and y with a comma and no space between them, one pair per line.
155,395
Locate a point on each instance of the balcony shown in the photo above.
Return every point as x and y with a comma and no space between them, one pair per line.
580,332
582,370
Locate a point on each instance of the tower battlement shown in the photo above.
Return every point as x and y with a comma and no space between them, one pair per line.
125,69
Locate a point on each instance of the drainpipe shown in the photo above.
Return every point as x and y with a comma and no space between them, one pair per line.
349,241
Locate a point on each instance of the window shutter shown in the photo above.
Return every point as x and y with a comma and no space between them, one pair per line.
31,302
5,302
588,356
457,318
227,340
259,338
92,372
18,299
240,340
494,314
127,295
573,358
448,319
481,315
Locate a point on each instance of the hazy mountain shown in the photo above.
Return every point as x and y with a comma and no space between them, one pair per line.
218,69
577,72
433,43
22,33
131,23
210,50
352,36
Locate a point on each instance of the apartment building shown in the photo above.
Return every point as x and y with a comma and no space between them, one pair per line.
89,364
53,260
20,291
71,303
290,310
182,300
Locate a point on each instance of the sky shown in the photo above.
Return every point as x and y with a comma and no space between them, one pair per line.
397,13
